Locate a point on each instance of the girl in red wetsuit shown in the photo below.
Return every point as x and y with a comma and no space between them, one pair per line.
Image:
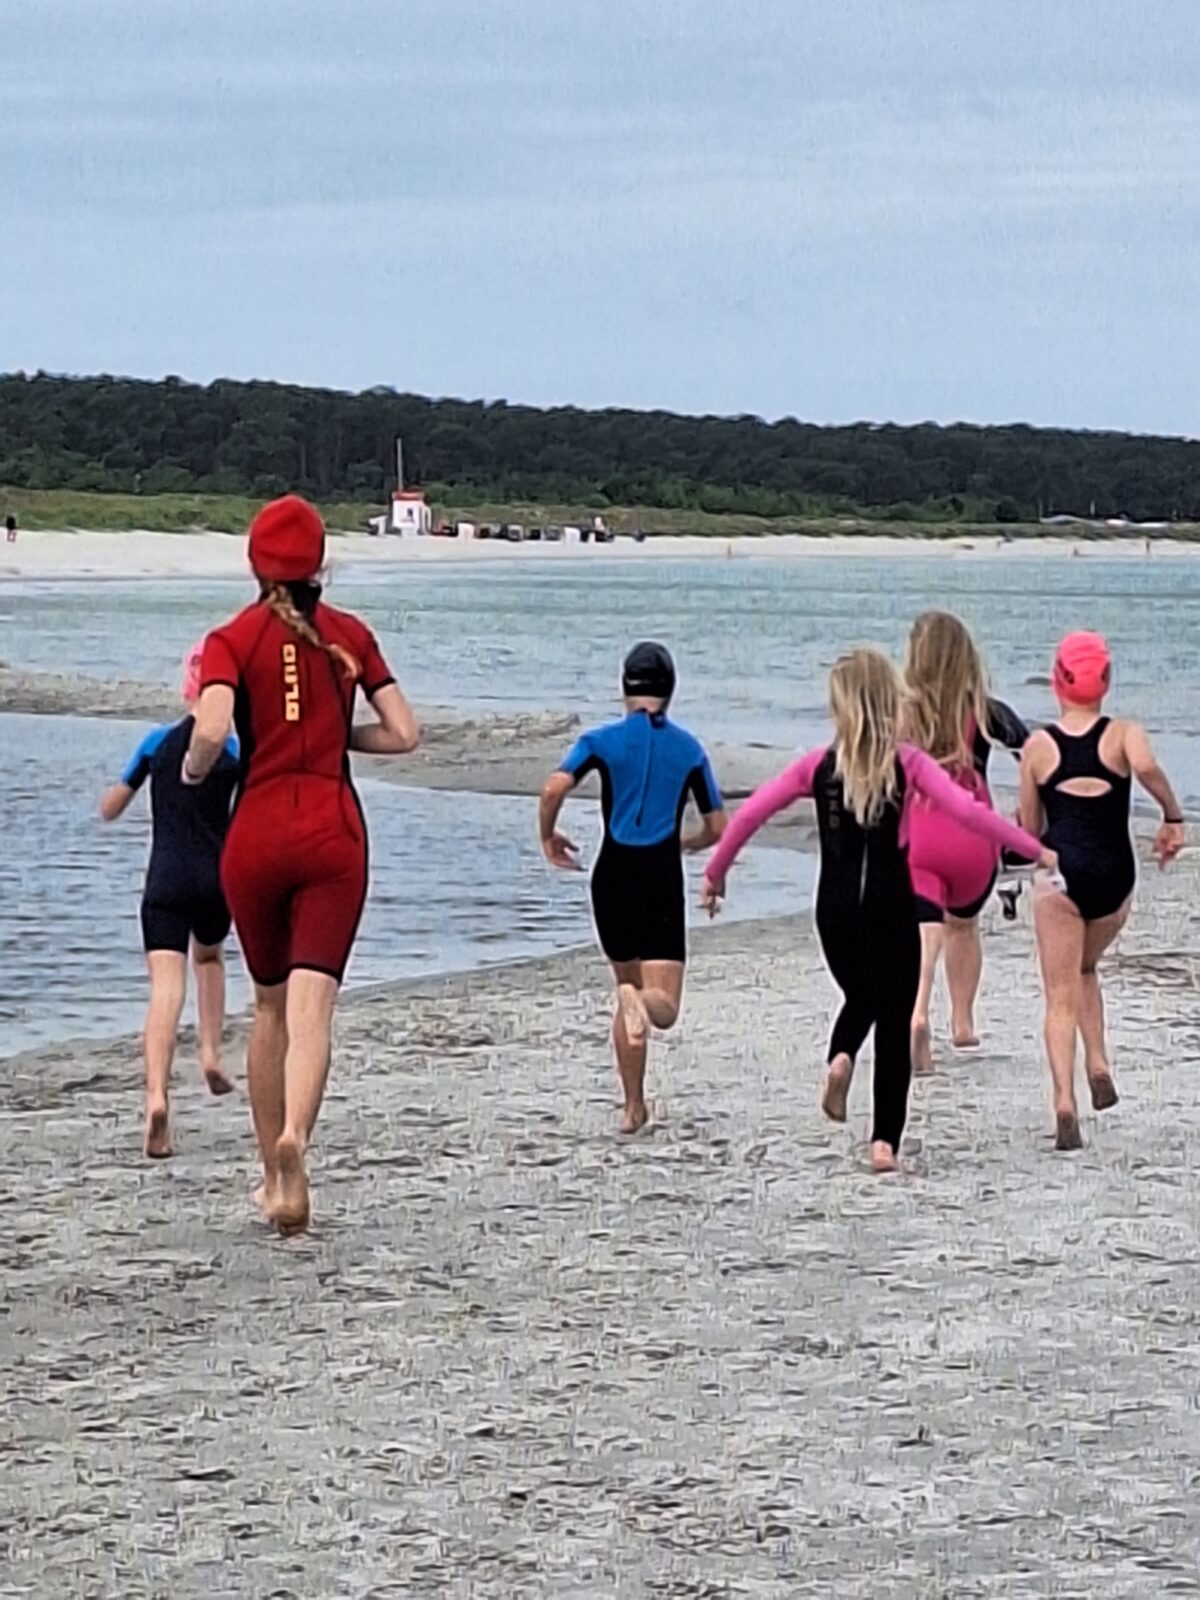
294,869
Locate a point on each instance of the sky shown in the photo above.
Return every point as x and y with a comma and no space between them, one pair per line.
900,210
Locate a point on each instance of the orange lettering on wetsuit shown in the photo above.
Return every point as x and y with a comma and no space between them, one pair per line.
291,685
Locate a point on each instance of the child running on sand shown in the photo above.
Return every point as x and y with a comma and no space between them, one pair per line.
648,768
1076,785
865,784
182,904
948,712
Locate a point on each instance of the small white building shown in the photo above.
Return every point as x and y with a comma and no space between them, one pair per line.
411,516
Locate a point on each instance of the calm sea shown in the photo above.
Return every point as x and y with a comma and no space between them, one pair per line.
457,878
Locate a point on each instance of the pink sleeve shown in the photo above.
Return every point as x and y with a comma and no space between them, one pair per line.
927,778
793,783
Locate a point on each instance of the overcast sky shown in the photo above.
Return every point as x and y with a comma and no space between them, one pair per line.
833,209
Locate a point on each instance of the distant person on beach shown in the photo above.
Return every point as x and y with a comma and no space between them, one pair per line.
182,904
948,712
866,786
648,767
10,529
1076,788
288,668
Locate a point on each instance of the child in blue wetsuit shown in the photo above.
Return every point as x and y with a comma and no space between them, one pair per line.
649,768
182,904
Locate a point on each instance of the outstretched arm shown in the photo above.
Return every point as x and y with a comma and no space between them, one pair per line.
945,795
114,801
558,850
711,830
397,732
793,783
1144,765
214,719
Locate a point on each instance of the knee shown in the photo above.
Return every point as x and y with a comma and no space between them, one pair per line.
1061,1006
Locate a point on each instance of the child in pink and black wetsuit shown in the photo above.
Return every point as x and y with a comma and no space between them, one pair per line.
864,785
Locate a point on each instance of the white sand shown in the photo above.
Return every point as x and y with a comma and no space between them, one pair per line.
73,555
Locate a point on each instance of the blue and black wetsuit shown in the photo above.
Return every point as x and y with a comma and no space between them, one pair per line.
183,898
648,767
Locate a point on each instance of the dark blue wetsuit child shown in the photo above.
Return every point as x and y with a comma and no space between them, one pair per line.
649,768
182,903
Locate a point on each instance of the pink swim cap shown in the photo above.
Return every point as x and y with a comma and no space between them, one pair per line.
1082,669
191,672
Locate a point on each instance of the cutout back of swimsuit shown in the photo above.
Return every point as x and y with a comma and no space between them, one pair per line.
1082,777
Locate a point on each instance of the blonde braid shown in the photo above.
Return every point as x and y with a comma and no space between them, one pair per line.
280,602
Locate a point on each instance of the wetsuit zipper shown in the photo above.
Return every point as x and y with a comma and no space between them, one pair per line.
646,774
862,877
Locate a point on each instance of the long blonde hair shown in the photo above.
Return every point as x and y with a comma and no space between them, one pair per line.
281,598
946,690
864,697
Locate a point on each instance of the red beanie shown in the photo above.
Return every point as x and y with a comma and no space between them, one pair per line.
287,541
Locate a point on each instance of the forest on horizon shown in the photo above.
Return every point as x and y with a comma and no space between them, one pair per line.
257,438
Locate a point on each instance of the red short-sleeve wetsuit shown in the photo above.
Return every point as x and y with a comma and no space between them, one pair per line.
294,867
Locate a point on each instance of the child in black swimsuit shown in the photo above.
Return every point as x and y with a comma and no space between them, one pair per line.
1076,786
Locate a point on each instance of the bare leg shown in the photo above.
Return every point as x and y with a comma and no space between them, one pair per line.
1060,936
311,997
209,964
630,1035
265,1056
1098,937
649,994
964,968
931,950
168,988
662,992
836,1090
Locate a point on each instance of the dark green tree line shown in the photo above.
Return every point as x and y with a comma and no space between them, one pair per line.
262,438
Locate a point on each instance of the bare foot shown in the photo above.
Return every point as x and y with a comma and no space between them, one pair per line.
1104,1091
964,1037
290,1213
1067,1134
837,1088
883,1157
635,1117
922,1049
157,1144
633,1013
266,1198
216,1080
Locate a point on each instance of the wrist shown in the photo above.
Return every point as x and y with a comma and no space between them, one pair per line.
1172,820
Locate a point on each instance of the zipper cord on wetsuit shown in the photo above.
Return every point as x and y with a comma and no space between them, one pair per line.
862,880
649,766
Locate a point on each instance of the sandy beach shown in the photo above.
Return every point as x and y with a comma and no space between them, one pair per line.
80,554
518,1356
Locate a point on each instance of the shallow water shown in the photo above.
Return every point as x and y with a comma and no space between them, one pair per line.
457,882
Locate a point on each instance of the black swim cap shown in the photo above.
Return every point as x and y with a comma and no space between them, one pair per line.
649,670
